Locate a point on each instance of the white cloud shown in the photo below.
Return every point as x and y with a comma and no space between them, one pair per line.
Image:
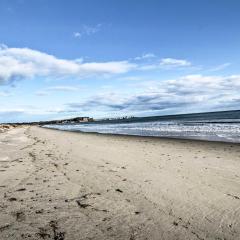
77,34
87,30
146,56
25,63
171,62
166,64
190,93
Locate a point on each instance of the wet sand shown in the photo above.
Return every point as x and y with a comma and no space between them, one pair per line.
64,185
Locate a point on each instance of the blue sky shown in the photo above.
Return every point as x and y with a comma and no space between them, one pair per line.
112,58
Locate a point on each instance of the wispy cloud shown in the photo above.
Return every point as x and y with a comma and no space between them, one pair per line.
48,90
172,62
24,63
220,67
167,64
63,88
145,56
87,30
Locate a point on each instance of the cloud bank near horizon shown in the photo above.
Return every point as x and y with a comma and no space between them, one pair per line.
191,93
185,93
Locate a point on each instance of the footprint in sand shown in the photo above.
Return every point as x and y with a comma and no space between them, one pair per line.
21,189
20,216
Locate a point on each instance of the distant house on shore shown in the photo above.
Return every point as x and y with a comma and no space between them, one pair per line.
80,119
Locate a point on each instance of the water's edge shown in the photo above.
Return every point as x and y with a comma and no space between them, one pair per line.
220,126
197,138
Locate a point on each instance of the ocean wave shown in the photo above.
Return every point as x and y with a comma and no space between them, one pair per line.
229,132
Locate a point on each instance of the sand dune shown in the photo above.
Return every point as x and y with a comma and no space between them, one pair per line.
62,185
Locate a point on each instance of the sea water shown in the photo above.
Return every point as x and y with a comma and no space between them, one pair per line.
220,126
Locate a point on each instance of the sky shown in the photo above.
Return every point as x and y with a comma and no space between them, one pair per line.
110,58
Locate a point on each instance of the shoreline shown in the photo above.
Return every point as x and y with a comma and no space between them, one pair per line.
66,185
141,136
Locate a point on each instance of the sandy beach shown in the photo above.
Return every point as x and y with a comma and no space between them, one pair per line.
64,185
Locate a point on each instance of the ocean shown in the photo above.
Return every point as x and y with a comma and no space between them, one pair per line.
214,126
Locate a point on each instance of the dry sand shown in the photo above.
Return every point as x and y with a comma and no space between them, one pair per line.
62,185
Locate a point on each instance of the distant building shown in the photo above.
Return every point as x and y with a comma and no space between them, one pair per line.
81,119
